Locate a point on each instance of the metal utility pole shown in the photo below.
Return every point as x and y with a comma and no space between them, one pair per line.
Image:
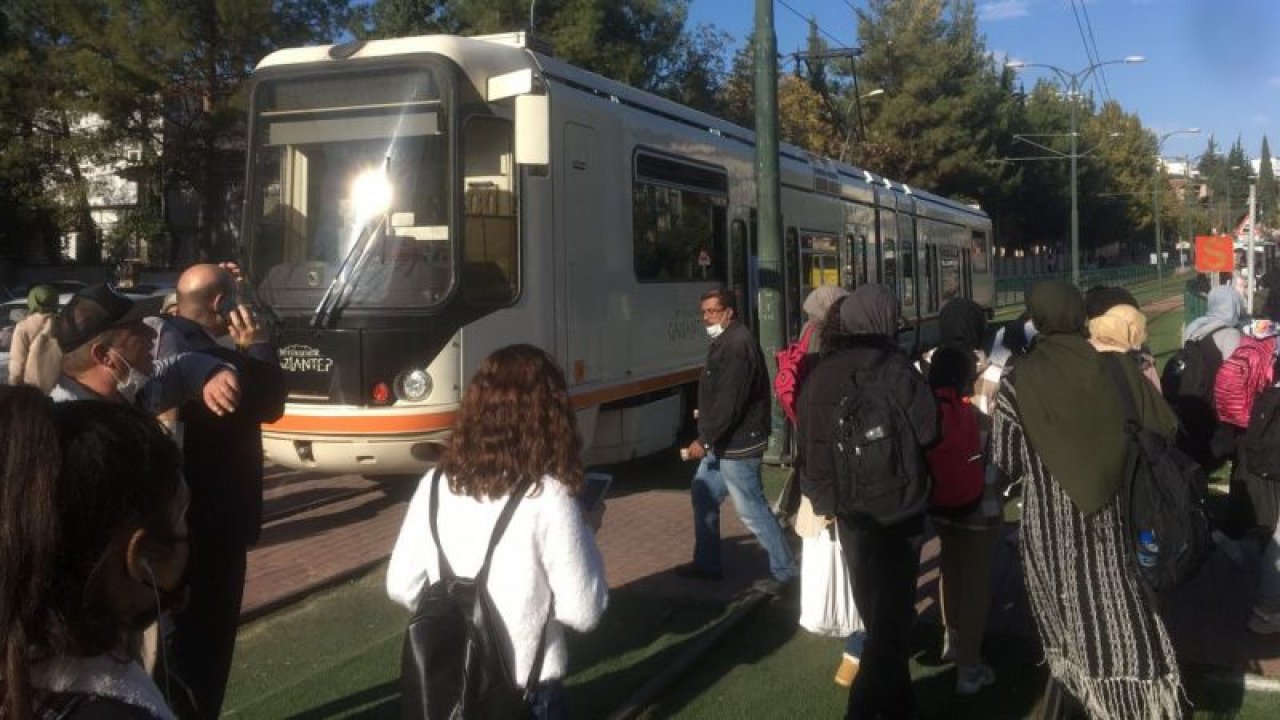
1071,83
1157,190
769,201
1253,210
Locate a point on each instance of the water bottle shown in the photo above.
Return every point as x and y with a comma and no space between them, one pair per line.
1148,549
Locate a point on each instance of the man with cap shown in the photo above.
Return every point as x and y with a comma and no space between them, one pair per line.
223,467
34,356
107,355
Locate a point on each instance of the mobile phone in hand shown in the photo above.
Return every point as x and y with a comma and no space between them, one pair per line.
594,487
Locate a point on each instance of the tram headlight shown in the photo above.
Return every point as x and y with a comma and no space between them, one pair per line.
413,385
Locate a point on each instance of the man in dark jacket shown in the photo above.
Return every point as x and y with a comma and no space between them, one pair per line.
733,431
223,466
883,560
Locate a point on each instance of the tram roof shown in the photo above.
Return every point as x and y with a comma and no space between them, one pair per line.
487,56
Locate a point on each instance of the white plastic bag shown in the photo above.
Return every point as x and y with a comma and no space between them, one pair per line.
826,593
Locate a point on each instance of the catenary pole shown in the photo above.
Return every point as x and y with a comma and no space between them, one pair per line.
769,248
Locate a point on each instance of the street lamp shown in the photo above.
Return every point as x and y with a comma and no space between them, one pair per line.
856,101
1072,82
1155,198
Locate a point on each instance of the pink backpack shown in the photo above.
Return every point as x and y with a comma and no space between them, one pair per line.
793,364
1242,376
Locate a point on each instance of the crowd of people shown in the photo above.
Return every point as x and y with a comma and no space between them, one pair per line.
133,490
1042,410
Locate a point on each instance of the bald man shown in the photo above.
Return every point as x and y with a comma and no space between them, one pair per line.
222,457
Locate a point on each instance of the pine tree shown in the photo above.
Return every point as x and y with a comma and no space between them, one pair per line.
1267,191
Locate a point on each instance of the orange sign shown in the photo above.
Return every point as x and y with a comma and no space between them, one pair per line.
1215,253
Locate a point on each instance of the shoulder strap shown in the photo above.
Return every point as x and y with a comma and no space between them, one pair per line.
804,337
1111,361
517,494
446,572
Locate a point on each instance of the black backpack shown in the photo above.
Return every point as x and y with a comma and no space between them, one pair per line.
1262,437
453,665
1163,498
1187,385
880,467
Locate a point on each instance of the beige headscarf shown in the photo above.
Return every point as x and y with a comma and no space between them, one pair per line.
1119,329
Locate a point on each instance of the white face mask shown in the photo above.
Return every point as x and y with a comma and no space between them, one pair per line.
715,330
133,381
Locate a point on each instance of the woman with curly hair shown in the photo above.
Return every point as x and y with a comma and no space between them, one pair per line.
516,431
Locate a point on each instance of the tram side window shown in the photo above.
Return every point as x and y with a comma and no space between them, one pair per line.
949,271
890,260
490,259
979,258
678,220
908,285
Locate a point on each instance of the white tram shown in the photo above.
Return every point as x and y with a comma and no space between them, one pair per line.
414,204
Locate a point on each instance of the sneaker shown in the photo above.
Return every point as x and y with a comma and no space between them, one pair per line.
1264,623
847,671
697,572
949,643
973,678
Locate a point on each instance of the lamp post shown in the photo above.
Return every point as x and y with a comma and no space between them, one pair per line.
1155,199
856,102
1072,82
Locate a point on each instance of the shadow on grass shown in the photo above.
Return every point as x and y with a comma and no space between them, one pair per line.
379,701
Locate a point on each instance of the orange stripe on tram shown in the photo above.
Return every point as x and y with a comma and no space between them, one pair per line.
402,424
362,424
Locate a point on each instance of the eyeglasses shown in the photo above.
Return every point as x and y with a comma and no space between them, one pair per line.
713,311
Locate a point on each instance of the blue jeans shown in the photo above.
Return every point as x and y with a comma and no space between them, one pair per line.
548,702
739,479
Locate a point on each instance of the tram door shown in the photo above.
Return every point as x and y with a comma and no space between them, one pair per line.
742,271
853,251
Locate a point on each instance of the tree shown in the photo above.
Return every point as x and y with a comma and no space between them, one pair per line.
161,76
941,114
1267,191
402,18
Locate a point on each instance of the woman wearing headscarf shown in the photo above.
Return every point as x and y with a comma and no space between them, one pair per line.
883,560
1060,429
967,534
821,323
1221,321
34,357
1123,329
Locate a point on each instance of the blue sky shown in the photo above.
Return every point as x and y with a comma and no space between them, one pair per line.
1212,64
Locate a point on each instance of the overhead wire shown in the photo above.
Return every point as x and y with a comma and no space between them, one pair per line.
1093,40
1088,51
809,18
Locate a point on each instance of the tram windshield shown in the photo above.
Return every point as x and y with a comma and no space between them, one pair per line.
350,192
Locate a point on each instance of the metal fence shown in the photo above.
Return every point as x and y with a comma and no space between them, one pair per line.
1012,290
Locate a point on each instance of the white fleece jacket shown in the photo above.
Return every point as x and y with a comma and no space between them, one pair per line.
547,561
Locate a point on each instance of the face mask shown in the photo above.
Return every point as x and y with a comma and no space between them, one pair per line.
133,381
715,330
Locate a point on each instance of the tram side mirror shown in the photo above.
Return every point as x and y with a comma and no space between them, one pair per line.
533,130
533,114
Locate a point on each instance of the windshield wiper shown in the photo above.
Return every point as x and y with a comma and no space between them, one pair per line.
344,282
